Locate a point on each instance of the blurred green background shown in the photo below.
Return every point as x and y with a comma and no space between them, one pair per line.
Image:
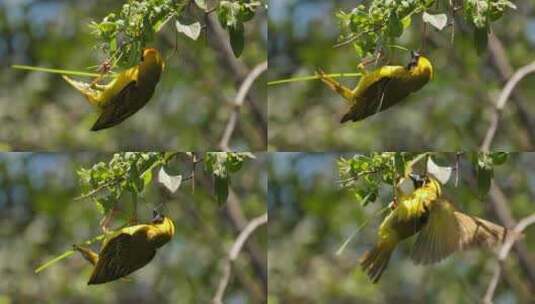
310,217
451,112
40,220
190,108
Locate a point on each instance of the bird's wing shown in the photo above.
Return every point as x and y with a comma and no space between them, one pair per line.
119,108
122,255
477,232
369,101
448,230
440,235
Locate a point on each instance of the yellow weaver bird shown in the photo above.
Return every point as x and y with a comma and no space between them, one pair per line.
128,249
440,227
126,94
382,88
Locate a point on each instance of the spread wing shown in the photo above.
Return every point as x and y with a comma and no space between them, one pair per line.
120,107
121,256
369,102
439,237
449,230
477,232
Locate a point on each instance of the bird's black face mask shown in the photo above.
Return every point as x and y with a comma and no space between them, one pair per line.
414,60
417,180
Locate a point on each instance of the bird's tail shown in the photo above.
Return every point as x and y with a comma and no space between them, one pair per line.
374,261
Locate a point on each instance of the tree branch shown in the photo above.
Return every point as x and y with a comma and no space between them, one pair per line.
502,66
502,100
502,255
499,205
236,217
100,188
219,41
233,255
238,103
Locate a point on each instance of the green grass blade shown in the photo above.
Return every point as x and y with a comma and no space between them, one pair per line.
315,77
57,71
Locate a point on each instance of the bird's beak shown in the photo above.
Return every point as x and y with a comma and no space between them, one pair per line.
414,60
156,217
417,179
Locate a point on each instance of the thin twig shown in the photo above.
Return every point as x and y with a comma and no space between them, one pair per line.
233,255
237,219
238,102
502,100
452,21
194,165
99,188
502,255
238,71
353,37
500,207
503,67
457,164
355,177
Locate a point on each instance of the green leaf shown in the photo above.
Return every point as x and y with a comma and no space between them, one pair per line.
227,14
221,189
406,22
245,13
147,177
237,39
484,178
439,21
498,158
370,197
399,164
161,23
107,26
138,182
395,27
358,50
105,204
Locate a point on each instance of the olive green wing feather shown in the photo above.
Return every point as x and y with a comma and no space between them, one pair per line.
449,230
440,235
125,104
369,102
122,255
477,232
